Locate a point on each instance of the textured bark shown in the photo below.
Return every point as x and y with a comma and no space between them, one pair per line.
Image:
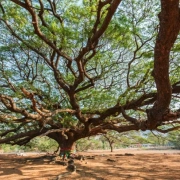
168,32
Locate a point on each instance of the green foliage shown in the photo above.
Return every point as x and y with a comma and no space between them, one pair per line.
5,148
156,138
43,144
39,144
90,143
174,139
78,20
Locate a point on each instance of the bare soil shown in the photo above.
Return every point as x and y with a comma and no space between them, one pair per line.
98,165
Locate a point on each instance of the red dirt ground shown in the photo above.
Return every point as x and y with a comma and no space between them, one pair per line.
136,165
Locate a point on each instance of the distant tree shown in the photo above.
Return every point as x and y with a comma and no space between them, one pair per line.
174,139
110,140
112,137
88,143
75,69
156,138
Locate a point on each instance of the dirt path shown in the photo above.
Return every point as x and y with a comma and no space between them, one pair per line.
99,165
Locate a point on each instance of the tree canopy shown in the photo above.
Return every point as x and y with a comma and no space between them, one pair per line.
75,69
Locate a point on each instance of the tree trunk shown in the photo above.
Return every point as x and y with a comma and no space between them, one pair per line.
168,32
67,146
111,146
66,143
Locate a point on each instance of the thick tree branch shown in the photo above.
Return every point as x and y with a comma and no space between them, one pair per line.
168,130
169,28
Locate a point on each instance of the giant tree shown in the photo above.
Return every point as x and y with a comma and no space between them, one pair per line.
74,69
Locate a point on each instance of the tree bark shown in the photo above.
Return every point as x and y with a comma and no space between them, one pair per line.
168,32
66,148
66,142
111,146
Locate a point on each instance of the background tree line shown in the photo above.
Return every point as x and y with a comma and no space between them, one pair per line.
110,142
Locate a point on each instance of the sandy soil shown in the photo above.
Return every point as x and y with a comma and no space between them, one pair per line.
98,165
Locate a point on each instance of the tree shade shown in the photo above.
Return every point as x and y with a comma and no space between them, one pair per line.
71,70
